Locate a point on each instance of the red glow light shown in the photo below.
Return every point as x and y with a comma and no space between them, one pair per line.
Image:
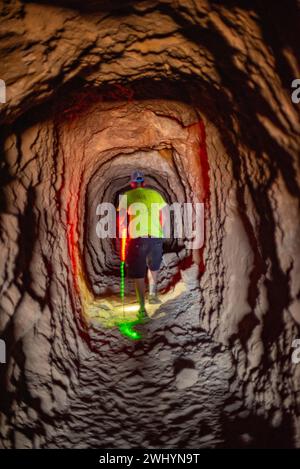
123,245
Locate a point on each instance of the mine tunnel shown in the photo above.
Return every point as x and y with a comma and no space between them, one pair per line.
196,95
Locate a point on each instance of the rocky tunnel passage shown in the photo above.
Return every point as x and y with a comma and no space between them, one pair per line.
161,137
197,95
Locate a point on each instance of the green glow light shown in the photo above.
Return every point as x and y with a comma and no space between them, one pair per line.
126,328
122,282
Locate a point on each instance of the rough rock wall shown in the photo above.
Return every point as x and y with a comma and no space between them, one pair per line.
211,79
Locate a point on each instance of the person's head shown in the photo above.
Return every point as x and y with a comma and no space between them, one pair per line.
137,179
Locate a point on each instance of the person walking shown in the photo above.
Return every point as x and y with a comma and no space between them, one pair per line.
142,214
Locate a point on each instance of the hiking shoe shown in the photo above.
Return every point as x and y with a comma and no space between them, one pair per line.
143,315
154,300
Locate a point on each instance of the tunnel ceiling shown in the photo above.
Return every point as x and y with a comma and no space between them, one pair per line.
198,94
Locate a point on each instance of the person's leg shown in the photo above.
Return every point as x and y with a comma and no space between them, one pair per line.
140,291
154,261
152,278
136,265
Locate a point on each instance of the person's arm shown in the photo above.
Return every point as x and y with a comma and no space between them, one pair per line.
122,211
164,218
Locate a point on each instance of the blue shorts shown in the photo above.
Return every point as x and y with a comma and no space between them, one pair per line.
143,253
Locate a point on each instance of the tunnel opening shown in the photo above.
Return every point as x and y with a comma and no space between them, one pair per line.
164,138
111,194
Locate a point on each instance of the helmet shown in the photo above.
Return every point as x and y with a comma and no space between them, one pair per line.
137,176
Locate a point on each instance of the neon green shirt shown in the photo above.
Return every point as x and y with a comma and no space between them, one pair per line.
143,208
